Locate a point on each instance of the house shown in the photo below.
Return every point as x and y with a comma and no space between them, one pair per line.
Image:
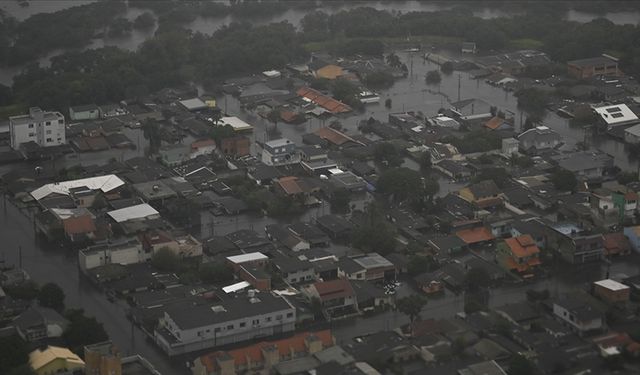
453,169
483,194
329,71
483,368
85,112
326,102
263,356
107,184
187,328
522,314
174,154
346,180
118,252
616,244
258,277
315,160
337,297
633,234
371,297
193,104
310,233
538,139
255,260
616,115
139,212
152,191
575,245
475,236
78,224
237,124
285,237
611,291
510,146
447,245
104,358
262,174
604,65
40,323
429,283
588,164
53,360
520,255
444,122
498,123
632,134
469,47
280,152
202,147
336,226
237,146
42,127
371,267
532,227
293,270
336,138
579,313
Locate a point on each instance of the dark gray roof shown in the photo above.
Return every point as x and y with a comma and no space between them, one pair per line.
349,266
290,264
334,223
600,60
447,242
486,188
189,317
519,312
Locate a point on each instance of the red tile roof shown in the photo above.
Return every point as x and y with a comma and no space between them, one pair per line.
203,143
475,235
334,136
290,185
616,243
494,123
522,246
79,225
253,353
324,101
329,290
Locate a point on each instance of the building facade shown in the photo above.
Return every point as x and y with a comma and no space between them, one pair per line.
42,127
280,152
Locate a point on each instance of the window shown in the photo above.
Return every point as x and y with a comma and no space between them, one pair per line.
255,322
289,315
48,123
48,131
243,324
32,134
268,318
293,280
49,140
230,327
60,122
216,330
279,317
30,126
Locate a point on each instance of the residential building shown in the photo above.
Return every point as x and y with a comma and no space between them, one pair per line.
85,112
476,236
202,147
483,368
258,277
453,169
263,356
337,297
329,71
447,245
611,291
616,244
632,134
346,180
124,252
42,127
280,152
498,123
54,360
315,159
538,139
293,270
633,234
519,254
174,154
310,233
285,237
336,226
256,259
575,245
589,164
604,65
235,146
510,146
102,358
237,124
107,184
184,329
327,103
469,47
40,323
616,115
483,194
579,313
372,267
137,213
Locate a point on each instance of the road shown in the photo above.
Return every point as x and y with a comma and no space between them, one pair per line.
57,266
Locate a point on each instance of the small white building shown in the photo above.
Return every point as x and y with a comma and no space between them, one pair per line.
444,122
280,152
616,115
130,252
85,112
578,314
42,127
237,124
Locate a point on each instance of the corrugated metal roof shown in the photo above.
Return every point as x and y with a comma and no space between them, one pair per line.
102,183
246,257
134,212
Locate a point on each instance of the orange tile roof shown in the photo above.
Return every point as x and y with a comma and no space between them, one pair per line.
333,289
324,101
79,225
203,143
522,267
494,123
616,243
334,136
631,196
475,235
522,246
253,353
290,185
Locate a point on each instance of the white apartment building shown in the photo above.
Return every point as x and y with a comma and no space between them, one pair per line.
44,128
193,327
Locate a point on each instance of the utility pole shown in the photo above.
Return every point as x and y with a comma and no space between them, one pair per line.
20,256
459,84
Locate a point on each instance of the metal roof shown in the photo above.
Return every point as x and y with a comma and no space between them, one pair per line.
102,183
247,257
236,287
236,123
616,114
134,212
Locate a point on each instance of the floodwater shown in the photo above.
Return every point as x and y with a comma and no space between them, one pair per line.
210,24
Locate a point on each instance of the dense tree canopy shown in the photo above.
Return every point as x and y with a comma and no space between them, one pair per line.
564,180
51,295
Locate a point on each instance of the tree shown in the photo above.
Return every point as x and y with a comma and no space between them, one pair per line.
374,234
624,178
51,295
400,183
433,77
447,68
387,103
274,116
379,80
27,290
411,306
151,131
15,352
144,21
532,101
166,260
498,175
425,160
477,278
564,180
418,264
215,272
340,200
346,92
393,60
520,365
82,330
386,153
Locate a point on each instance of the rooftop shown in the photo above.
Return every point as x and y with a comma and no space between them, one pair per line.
102,183
40,358
616,114
372,260
133,212
250,257
475,235
236,123
611,285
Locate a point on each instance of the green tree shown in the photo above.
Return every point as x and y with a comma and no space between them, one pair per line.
624,178
387,103
15,353
144,21
418,264
564,180
533,101
425,160
151,131
274,116
166,260
433,77
51,295
27,290
400,183
379,80
82,330
411,306
520,365
477,278
387,154
215,272
447,68
346,92
339,200
374,234
393,60
498,175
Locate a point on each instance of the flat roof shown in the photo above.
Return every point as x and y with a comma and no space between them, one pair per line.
193,104
250,257
102,183
236,287
278,142
616,114
133,212
611,284
372,260
236,123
